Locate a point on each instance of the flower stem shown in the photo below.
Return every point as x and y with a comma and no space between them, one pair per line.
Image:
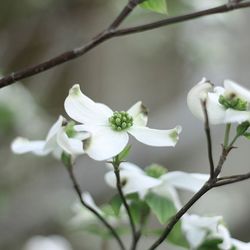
97,214
116,165
227,133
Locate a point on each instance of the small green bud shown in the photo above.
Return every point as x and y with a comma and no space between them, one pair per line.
69,129
155,171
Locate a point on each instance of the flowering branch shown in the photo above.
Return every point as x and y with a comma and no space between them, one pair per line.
211,183
102,219
113,31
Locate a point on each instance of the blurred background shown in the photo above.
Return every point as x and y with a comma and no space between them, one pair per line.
158,67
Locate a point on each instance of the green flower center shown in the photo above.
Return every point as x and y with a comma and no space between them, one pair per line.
120,121
155,171
233,102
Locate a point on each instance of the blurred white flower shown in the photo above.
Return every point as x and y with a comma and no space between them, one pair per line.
241,245
134,179
109,130
60,138
224,105
198,229
53,242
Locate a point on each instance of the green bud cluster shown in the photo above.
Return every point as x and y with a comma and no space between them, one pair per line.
69,129
155,171
233,102
120,121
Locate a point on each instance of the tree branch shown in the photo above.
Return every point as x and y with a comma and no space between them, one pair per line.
231,179
99,216
209,140
116,165
109,33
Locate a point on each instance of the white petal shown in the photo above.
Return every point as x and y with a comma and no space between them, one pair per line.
237,116
216,112
169,192
225,235
49,243
155,137
131,167
196,95
132,181
51,142
104,143
240,245
82,109
139,113
186,181
204,91
71,146
233,87
22,145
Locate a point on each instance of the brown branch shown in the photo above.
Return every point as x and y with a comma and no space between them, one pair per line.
96,213
116,165
231,179
209,140
109,33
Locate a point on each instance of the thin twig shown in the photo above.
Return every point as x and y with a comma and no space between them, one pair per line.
209,140
231,179
116,164
108,34
99,216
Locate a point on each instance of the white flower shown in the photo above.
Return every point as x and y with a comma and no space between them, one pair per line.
56,142
134,179
224,105
109,130
198,229
47,243
241,245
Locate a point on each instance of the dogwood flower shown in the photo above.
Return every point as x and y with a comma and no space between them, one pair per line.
198,229
61,138
54,242
109,130
227,104
134,179
241,245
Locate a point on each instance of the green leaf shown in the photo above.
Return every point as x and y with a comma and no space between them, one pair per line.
124,153
116,203
177,237
161,206
139,211
7,119
242,128
247,135
211,244
159,6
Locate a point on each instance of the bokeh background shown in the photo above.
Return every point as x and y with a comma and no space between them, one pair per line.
158,67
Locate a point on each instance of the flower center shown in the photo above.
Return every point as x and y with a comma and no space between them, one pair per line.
233,102
120,121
